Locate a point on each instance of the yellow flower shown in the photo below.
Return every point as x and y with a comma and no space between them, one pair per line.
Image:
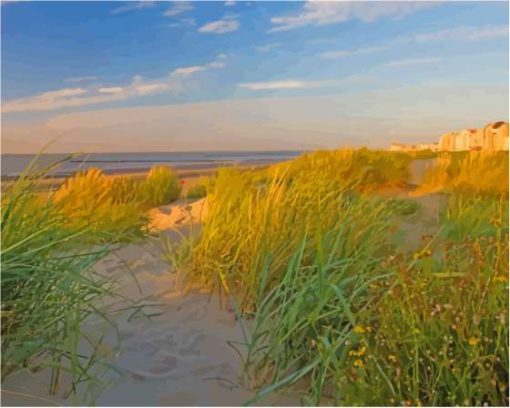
392,358
358,363
359,329
358,352
473,341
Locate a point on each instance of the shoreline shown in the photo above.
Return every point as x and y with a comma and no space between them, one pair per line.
182,171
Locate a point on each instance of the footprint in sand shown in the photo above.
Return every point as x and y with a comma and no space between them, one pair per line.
182,399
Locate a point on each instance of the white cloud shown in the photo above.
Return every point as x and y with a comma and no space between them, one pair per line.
75,97
151,88
178,7
267,47
230,3
111,90
320,13
413,61
348,53
132,6
191,70
272,85
220,26
80,79
280,123
466,33
186,71
291,84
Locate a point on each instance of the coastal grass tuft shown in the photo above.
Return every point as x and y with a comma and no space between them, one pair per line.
48,285
473,172
307,250
50,243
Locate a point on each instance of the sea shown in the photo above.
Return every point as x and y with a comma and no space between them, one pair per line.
12,165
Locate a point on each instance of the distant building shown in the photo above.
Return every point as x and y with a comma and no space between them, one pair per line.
492,138
495,136
401,147
447,142
427,146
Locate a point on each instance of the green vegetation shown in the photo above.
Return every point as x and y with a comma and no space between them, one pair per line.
198,190
469,173
307,249
48,285
161,187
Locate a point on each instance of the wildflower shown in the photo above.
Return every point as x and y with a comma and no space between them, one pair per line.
359,329
473,341
392,358
183,181
358,363
358,352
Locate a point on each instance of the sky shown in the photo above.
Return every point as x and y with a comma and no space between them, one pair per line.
232,75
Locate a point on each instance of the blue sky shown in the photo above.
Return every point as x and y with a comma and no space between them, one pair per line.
207,75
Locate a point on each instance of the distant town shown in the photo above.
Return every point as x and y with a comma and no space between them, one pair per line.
493,137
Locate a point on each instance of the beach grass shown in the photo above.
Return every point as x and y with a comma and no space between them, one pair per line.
473,172
48,285
50,243
307,249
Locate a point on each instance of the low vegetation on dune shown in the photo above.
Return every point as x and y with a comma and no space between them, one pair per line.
313,258
48,284
45,293
474,172
311,255
115,206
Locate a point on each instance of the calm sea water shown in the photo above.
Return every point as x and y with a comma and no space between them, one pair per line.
14,164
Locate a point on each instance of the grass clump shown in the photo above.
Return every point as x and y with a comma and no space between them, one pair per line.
198,190
256,213
161,186
474,172
306,249
48,286
91,200
436,330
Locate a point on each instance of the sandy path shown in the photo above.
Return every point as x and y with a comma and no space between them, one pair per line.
173,351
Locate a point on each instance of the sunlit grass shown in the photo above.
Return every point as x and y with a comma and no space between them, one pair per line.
469,172
50,242
307,250
48,287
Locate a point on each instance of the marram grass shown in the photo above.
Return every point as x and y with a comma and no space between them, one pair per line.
50,242
48,286
308,252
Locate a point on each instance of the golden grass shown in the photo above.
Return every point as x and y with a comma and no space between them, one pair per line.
307,250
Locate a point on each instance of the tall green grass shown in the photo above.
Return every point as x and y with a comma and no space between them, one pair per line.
252,214
161,186
308,252
50,242
48,286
